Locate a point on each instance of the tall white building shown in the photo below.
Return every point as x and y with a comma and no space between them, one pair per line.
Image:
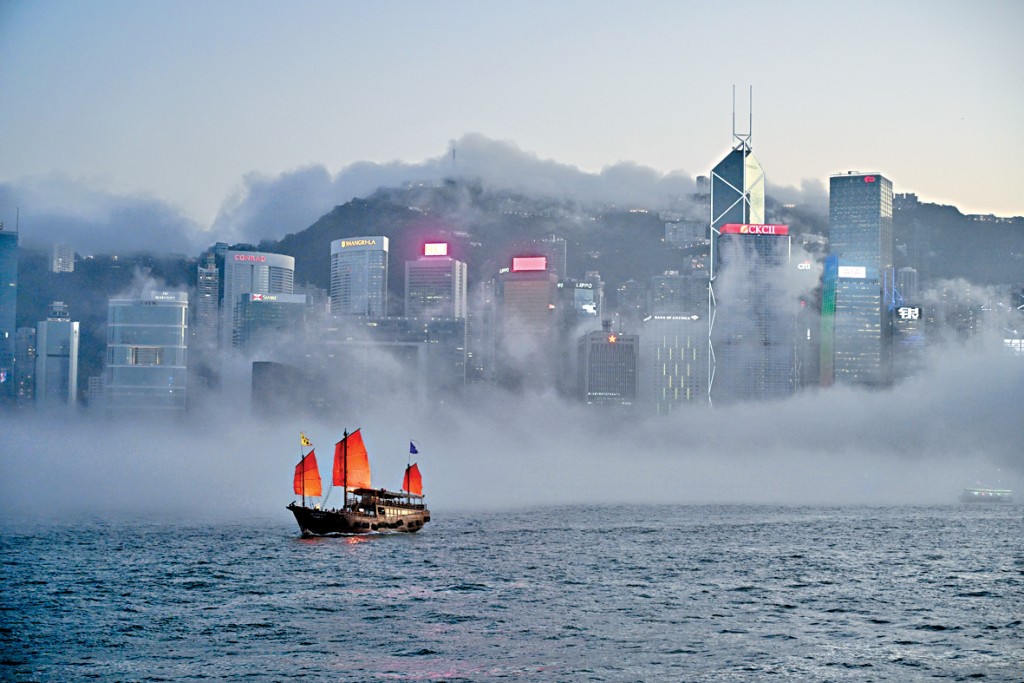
62,259
147,354
57,358
251,272
435,284
359,276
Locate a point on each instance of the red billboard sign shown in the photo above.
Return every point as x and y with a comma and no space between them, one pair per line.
435,249
753,229
522,263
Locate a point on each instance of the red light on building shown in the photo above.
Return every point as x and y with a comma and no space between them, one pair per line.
869,179
435,249
527,263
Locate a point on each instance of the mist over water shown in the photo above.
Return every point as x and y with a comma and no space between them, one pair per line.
957,424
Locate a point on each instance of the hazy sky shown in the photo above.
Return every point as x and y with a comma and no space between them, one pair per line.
178,101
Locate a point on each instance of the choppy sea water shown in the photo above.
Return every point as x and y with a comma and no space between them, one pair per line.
690,593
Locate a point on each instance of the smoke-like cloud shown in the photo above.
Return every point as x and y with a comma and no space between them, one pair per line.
57,208
955,424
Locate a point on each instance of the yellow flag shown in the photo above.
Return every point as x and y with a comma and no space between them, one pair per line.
304,440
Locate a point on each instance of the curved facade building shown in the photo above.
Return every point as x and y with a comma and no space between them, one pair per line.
251,272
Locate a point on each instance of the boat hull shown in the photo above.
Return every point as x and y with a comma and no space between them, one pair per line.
313,522
986,496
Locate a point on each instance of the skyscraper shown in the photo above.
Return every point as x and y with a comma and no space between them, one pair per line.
62,259
608,367
359,276
860,235
261,317
57,358
206,321
753,335
147,360
435,284
528,322
673,370
251,272
737,198
8,308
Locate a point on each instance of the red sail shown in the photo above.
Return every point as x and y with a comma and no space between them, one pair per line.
307,476
355,457
413,482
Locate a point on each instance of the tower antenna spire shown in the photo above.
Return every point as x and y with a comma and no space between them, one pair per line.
743,139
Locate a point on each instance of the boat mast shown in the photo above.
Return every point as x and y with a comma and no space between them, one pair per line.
302,459
344,470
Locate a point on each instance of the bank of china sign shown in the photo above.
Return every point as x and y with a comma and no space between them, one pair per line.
753,229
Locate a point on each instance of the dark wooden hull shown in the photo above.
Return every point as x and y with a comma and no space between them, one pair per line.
313,522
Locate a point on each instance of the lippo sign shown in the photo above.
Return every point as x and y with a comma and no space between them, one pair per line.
753,229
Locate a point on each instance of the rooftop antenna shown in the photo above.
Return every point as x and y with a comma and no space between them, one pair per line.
743,139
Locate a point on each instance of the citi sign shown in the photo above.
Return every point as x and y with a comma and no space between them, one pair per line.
753,229
250,257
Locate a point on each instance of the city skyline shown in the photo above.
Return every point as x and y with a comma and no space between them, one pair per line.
297,98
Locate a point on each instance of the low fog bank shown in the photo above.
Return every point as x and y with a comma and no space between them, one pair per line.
918,443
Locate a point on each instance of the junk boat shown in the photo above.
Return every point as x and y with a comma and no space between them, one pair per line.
368,509
982,495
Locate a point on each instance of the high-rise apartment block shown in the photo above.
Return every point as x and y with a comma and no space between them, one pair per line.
359,276
62,258
435,284
861,237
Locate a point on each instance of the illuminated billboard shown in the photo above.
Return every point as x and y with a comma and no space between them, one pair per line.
909,312
435,249
527,263
859,272
753,229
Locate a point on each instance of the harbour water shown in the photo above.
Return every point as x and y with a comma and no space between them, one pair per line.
644,593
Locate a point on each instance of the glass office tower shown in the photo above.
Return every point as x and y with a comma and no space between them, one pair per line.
753,336
359,276
435,284
737,198
251,272
860,236
147,354
57,358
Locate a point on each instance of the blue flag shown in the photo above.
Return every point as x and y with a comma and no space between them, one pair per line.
412,448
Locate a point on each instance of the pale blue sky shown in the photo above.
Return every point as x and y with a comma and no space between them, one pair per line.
179,100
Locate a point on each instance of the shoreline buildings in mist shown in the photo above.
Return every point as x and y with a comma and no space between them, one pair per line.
751,311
